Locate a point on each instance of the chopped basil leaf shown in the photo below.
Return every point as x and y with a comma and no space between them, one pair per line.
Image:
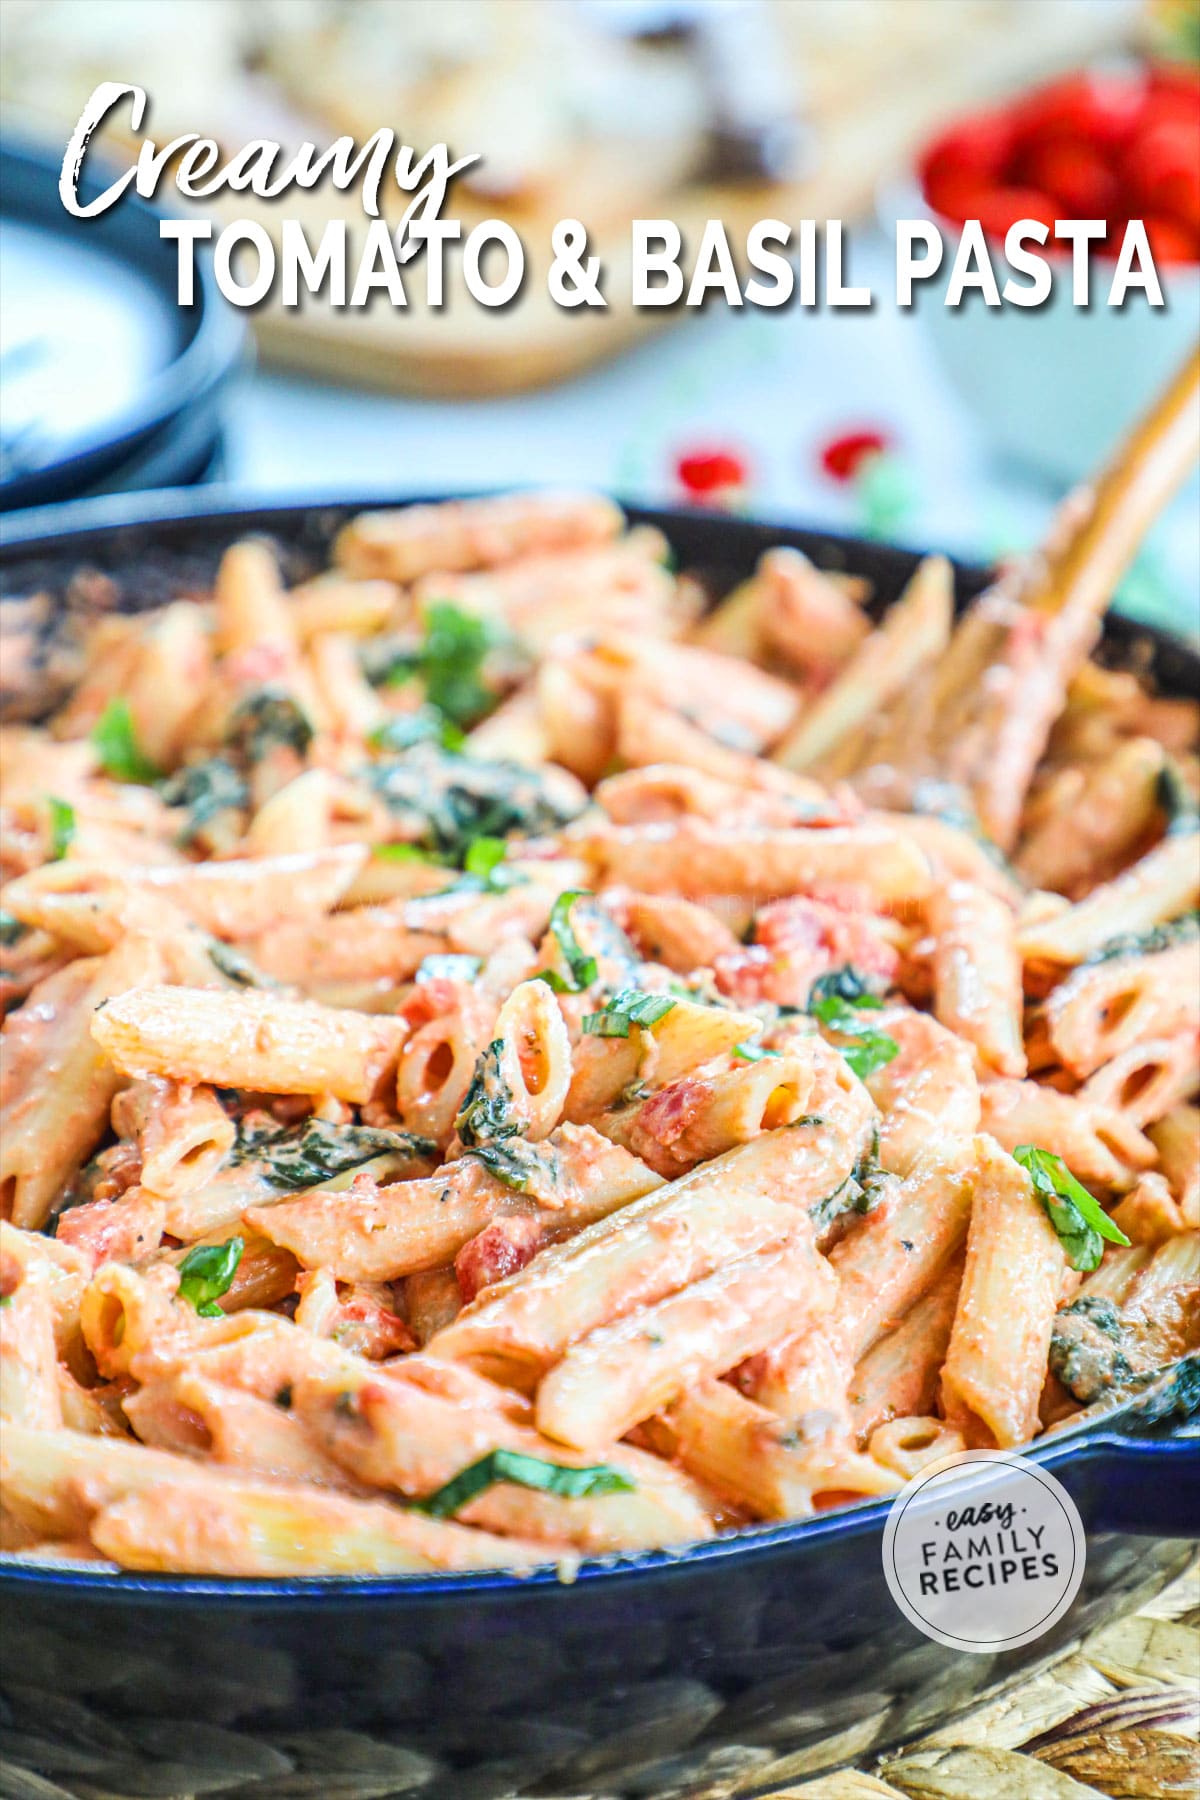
206,790
303,1156
487,1109
236,967
451,662
1177,801
523,1167
270,719
483,855
1148,943
389,660
861,1192
848,984
406,853
867,1050
524,1471
442,801
553,980
583,967
449,966
633,1006
752,1052
11,928
1088,1348
1077,1216
117,747
424,725
484,870
62,826
207,1272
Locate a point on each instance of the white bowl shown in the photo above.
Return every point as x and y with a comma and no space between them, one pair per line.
1055,386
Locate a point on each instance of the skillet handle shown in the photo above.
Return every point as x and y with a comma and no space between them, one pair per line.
1145,1486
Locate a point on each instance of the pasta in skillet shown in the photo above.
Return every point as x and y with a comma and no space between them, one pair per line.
500,1067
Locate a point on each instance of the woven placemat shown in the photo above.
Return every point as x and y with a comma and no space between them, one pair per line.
1120,1716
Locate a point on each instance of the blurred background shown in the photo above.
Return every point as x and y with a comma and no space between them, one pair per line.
958,430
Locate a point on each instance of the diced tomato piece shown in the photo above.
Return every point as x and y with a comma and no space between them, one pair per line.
795,941
500,1249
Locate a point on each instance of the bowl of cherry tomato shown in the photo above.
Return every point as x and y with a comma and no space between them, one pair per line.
1058,384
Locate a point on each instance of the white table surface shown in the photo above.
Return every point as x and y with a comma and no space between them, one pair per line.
776,385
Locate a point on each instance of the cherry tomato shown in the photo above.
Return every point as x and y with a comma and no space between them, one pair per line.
1162,170
1171,242
977,148
710,471
1076,175
1173,82
1102,109
1000,207
843,457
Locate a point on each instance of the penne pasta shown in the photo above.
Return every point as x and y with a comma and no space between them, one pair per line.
497,1069
977,974
248,1040
381,1233
625,1372
748,1200
996,1361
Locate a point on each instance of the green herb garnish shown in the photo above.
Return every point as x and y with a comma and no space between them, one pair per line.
11,928
237,967
270,719
62,826
117,747
207,1272
583,967
487,1109
752,1053
848,984
633,1006
424,725
451,661
1077,1216
303,1156
1177,801
484,854
861,1191
407,853
206,790
518,1165
1148,943
522,1471
867,1050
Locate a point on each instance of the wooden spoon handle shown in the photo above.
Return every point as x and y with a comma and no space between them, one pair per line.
1140,479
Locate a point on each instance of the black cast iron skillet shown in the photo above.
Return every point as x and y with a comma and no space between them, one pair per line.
650,1675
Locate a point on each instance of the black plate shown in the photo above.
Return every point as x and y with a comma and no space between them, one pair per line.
654,1674
102,369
